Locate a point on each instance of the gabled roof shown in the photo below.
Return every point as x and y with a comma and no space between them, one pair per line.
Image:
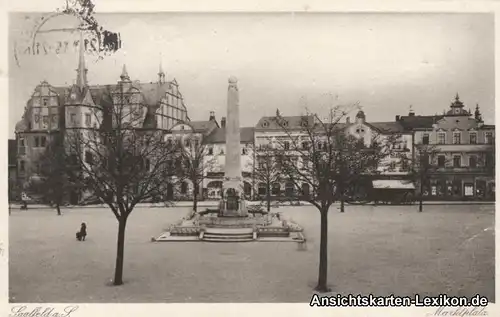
419,122
388,127
201,126
218,135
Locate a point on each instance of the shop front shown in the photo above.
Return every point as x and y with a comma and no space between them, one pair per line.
460,187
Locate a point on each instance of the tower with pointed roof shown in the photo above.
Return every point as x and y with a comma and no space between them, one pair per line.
124,76
477,114
457,108
81,79
161,74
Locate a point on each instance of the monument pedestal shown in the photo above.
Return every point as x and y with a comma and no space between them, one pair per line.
232,203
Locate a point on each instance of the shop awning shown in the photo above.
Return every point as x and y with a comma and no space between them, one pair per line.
393,184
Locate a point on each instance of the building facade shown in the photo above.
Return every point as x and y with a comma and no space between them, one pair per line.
392,172
463,153
60,111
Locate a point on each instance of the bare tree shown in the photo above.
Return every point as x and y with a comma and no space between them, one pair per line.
267,171
330,162
121,162
196,162
421,168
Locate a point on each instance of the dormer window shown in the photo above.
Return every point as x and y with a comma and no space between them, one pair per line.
265,124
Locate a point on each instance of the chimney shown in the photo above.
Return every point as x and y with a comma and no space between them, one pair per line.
223,122
397,118
411,113
348,120
212,116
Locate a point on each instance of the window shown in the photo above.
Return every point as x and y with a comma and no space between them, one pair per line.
469,189
221,151
87,119
441,160
457,161
441,137
169,165
305,145
472,161
45,120
187,143
88,157
488,138
276,189
73,118
472,137
278,162
392,166
286,145
262,189
210,151
184,188
22,166
37,141
45,101
425,138
43,141
244,151
261,162
489,160
404,165
456,137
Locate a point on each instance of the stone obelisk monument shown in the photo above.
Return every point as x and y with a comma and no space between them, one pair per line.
233,203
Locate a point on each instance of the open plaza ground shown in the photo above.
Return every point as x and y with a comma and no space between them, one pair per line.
380,250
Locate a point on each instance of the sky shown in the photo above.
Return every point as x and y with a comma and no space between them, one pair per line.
384,61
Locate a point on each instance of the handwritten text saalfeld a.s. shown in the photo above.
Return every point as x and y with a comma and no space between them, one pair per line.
41,311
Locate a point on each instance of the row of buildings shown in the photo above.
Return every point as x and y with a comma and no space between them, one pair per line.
463,167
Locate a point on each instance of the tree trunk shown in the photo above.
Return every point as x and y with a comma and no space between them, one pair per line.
342,197
58,207
195,197
122,222
268,199
323,254
421,196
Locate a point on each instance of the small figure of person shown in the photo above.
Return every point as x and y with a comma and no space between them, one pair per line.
80,235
